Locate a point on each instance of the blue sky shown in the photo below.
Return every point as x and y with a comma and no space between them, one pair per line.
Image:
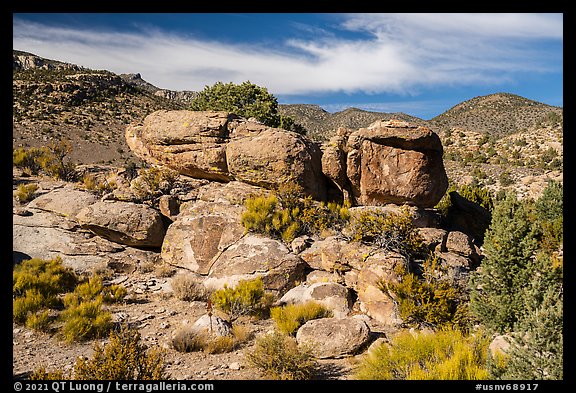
420,64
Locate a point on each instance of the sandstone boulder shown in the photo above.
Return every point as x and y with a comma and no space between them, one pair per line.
335,254
275,156
201,232
124,222
390,162
256,256
333,296
223,147
334,337
65,201
378,270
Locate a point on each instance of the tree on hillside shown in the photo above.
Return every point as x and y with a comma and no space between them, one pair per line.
246,100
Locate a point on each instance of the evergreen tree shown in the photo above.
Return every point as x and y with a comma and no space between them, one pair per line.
536,350
246,100
497,287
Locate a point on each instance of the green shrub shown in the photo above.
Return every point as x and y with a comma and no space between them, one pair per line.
443,355
99,186
27,304
36,284
246,298
153,182
390,231
278,356
50,160
472,192
290,317
49,277
39,321
246,100
124,357
25,192
42,375
429,300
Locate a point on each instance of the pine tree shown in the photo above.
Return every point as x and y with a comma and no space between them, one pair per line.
498,285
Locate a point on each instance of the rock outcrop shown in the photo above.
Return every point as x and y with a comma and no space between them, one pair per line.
126,223
387,162
223,147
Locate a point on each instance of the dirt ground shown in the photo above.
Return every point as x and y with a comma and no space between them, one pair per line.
157,314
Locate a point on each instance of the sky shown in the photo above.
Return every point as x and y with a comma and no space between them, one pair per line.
419,64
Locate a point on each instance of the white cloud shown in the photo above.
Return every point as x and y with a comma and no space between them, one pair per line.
402,53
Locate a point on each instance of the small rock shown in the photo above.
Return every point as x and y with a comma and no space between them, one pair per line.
164,325
235,366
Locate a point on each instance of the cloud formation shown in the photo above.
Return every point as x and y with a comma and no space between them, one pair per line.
396,53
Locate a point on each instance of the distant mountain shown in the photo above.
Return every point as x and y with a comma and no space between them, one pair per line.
499,114
321,125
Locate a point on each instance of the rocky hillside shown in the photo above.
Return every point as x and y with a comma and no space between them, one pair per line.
54,100
499,114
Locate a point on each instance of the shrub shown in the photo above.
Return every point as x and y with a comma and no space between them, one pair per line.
430,300
497,286
188,340
36,284
290,317
49,277
187,288
85,320
390,231
246,298
153,182
25,192
246,100
443,355
278,356
123,358
39,321
92,183
288,214
42,375
49,159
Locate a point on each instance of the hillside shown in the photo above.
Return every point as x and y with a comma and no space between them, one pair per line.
54,100
499,114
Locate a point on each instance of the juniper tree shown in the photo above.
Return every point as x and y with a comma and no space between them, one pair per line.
536,350
246,100
498,284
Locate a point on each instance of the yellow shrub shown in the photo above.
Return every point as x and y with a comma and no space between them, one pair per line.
290,317
443,355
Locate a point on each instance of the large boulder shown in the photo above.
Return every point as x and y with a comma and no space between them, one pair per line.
334,337
126,223
223,147
390,162
274,156
192,143
256,256
379,269
201,232
65,201
333,296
